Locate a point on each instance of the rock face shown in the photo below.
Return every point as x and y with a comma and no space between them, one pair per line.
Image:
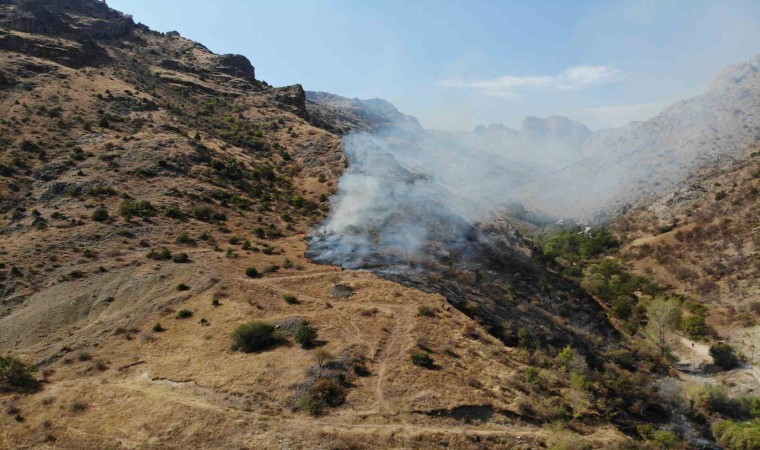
237,66
343,114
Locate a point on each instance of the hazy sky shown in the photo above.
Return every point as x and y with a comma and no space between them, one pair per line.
458,64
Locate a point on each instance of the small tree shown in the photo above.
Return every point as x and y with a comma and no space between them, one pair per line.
724,356
254,336
663,315
16,373
306,335
100,214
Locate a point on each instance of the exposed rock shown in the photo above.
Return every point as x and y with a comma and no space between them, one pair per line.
237,66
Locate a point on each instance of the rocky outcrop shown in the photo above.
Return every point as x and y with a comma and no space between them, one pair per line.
83,19
342,114
293,96
237,66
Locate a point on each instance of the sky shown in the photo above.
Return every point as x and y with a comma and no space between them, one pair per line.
458,64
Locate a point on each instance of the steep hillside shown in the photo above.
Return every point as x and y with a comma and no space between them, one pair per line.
649,158
702,239
154,197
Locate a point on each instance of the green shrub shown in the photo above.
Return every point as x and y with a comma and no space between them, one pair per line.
100,214
290,299
180,258
724,356
141,208
183,287
252,272
16,373
159,255
305,335
184,314
254,336
694,326
737,435
423,360
202,213
157,328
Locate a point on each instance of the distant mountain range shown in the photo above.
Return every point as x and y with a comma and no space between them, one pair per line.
574,172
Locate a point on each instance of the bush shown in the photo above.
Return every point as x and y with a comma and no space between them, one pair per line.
694,326
180,258
254,336
306,335
426,311
159,255
202,213
251,272
724,356
290,299
737,435
141,208
322,394
100,214
183,287
157,328
15,373
422,360
184,314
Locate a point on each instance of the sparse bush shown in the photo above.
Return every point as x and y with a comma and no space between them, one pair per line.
16,373
423,360
180,258
252,272
426,311
100,214
254,336
305,335
162,254
322,394
183,287
290,299
157,328
142,208
184,314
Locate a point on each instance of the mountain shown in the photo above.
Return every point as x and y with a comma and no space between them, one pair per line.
343,114
634,162
155,196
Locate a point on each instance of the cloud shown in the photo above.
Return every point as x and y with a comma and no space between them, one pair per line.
572,79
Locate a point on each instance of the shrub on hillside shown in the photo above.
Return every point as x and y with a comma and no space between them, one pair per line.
724,356
306,335
162,254
422,360
322,394
180,258
100,214
737,435
140,208
184,314
251,272
254,336
15,373
290,299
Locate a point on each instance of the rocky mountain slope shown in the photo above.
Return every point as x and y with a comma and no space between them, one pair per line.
154,196
622,166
